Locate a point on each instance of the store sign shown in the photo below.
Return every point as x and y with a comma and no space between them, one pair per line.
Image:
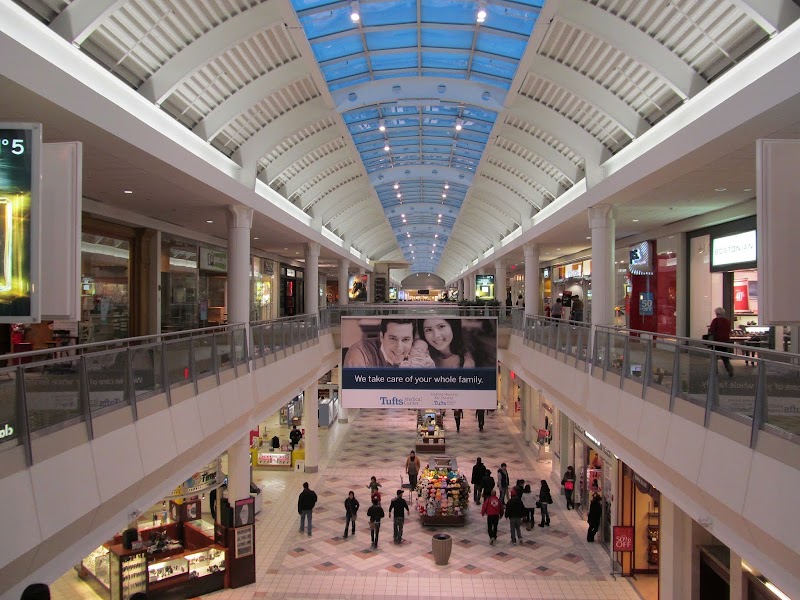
641,258
418,363
244,541
575,270
484,287
20,176
213,260
200,482
622,538
733,249
546,273
741,296
646,304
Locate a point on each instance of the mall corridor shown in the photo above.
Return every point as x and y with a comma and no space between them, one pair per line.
553,563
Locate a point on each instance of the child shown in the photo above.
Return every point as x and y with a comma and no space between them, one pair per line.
419,356
373,486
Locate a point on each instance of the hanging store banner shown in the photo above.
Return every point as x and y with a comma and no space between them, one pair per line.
443,362
622,538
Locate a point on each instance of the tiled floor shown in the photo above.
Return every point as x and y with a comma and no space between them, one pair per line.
552,563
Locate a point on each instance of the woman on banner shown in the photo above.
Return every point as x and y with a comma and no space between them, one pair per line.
445,341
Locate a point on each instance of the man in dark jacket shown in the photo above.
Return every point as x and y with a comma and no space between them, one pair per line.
515,510
503,482
595,513
375,514
295,435
398,505
351,511
487,484
478,471
305,506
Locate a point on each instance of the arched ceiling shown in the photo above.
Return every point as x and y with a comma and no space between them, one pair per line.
485,123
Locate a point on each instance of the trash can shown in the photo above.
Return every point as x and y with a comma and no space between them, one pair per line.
442,546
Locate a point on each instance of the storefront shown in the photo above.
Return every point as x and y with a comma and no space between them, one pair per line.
263,305
640,509
292,301
595,466
650,286
566,281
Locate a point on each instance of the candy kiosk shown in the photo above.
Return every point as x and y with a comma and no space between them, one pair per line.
443,493
430,432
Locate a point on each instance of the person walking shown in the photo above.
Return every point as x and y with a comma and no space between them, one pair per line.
295,435
568,481
478,471
577,308
398,505
529,502
492,508
351,506
503,482
375,514
487,484
558,309
515,510
480,414
595,512
457,414
412,468
305,507
545,500
720,331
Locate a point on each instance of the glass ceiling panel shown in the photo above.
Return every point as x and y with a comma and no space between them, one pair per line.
388,42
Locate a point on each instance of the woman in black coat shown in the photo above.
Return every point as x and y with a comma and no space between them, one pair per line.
595,513
545,499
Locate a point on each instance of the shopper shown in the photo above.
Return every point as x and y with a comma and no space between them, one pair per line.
503,482
576,313
374,488
305,506
36,591
295,435
515,510
595,512
478,471
720,331
398,505
568,481
545,500
457,414
351,506
487,484
519,486
412,468
529,502
375,514
492,508
480,414
558,308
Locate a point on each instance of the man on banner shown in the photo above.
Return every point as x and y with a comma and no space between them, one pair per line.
389,350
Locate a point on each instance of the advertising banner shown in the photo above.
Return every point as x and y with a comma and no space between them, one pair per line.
741,296
622,538
443,362
20,175
484,287
357,288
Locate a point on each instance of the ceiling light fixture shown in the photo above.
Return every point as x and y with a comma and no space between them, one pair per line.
459,124
447,186
381,125
481,16
399,195
636,220
440,216
720,189
444,195
355,15
397,186
131,191
255,238
209,221
403,216
436,236
386,147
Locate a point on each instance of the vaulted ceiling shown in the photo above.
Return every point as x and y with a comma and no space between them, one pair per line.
418,132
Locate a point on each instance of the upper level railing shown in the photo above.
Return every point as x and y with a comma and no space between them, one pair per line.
763,390
45,391
331,315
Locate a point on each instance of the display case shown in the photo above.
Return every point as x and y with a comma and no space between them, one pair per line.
96,565
430,437
206,562
443,493
127,572
172,567
653,529
265,457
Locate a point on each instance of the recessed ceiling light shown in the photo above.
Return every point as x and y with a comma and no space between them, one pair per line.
297,253
636,220
744,190
255,238
209,221
397,186
403,215
720,189
558,248
131,191
285,248
447,186
386,147
588,237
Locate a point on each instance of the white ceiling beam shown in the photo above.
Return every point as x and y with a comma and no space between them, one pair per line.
207,47
491,216
591,92
534,197
421,91
269,136
476,232
366,234
80,18
481,222
517,162
250,95
317,191
773,16
298,151
317,168
565,130
489,190
568,168
371,211
446,174
634,42
334,216
467,252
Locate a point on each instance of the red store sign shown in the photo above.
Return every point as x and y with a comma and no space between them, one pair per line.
622,538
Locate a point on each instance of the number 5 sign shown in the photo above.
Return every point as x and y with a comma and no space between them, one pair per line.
622,538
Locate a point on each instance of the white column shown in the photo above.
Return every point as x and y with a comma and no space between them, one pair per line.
531,253
311,426
154,284
675,551
240,220
738,586
500,282
239,470
323,283
344,265
681,289
601,221
312,278
472,281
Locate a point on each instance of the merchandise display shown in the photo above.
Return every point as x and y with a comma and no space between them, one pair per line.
443,493
430,431
268,458
96,564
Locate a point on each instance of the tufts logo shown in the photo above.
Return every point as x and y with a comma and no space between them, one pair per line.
6,431
394,401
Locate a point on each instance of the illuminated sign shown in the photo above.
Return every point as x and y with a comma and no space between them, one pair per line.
20,177
641,259
733,249
575,270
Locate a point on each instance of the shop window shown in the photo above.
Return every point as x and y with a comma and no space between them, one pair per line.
105,288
